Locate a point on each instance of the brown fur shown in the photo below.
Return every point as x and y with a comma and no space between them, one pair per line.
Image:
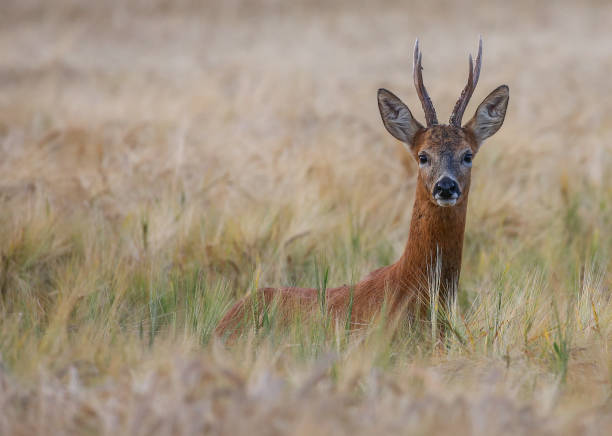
435,241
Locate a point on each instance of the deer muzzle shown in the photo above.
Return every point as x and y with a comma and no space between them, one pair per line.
446,192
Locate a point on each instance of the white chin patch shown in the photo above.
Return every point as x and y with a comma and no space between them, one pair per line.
446,203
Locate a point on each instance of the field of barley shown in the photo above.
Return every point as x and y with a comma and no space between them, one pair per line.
160,159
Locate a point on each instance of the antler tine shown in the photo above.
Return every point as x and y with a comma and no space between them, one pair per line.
478,62
430,112
466,94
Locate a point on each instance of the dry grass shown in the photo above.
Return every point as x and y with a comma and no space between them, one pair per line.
160,159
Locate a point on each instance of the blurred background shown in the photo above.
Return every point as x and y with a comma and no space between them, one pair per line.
111,103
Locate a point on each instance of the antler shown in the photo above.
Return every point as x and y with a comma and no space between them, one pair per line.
466,94
430,112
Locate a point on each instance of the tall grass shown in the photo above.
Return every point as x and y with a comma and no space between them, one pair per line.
160,161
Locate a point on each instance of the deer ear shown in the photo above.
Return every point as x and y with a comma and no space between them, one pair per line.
397,117
490,115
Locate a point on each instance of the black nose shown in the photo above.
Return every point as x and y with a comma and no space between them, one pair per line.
446,188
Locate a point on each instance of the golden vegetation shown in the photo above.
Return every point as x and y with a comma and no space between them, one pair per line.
160,159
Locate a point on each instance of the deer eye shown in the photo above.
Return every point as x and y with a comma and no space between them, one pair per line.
467,159
423,159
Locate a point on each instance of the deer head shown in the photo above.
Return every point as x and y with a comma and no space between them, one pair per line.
443,152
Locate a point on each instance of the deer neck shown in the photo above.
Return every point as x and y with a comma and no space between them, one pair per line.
435,242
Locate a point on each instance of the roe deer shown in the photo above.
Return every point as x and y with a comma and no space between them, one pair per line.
444,154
